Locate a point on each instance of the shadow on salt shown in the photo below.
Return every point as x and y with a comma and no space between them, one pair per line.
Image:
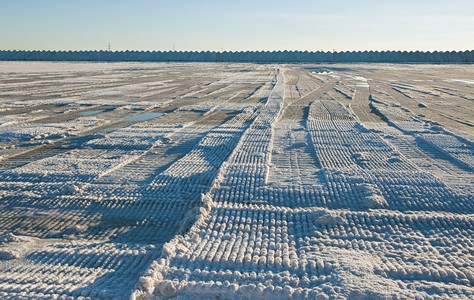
144,117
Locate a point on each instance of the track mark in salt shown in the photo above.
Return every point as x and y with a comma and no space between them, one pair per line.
91,112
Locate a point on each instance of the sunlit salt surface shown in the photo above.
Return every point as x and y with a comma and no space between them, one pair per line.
91,112
461,80
261,181
144,117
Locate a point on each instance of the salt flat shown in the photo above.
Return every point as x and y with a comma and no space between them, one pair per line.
258,181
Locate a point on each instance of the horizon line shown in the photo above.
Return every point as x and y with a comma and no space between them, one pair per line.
237,51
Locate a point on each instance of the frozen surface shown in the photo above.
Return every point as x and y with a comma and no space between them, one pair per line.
199,180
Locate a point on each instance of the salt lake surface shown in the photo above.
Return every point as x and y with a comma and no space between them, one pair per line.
260,181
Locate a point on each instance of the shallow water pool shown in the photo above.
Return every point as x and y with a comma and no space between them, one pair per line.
144,117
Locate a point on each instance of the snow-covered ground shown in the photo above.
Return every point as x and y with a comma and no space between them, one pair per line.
235,181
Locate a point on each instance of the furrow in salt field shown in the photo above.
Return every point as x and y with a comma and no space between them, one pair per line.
293,161
235,181
249,159
265,235
147,212
430,146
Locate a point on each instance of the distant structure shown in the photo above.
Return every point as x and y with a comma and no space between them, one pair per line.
108,47
247,56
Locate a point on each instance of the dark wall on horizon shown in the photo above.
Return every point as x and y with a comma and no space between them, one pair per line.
248,56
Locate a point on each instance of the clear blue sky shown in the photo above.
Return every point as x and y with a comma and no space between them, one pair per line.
236,25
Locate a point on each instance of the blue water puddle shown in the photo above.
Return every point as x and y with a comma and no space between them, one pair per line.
91,112
144,117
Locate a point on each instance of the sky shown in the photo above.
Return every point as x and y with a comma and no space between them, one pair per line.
237,25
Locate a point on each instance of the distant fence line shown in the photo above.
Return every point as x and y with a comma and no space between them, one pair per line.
247,56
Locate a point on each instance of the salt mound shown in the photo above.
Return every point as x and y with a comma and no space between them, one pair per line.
11,238
372,196
374,201
72,189
165,289
329,219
